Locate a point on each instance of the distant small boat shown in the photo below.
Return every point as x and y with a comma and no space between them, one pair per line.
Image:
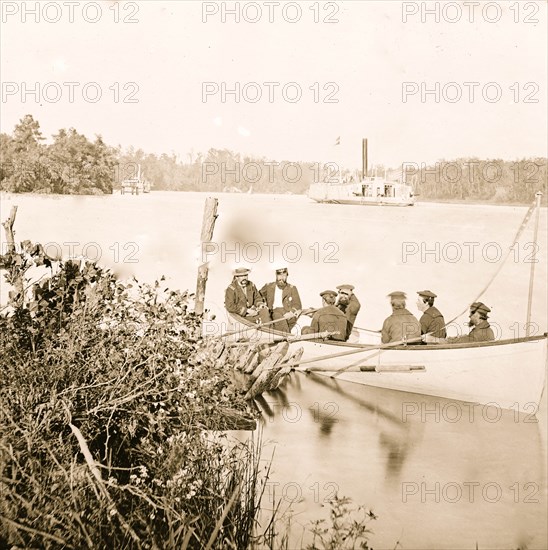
136,184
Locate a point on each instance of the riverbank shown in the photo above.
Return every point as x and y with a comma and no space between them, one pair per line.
419,198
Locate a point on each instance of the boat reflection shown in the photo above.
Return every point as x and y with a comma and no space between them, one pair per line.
341,411
395,451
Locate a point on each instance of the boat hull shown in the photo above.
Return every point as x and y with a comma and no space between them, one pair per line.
366,202
509,374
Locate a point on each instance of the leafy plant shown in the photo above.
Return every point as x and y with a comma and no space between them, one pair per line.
348,529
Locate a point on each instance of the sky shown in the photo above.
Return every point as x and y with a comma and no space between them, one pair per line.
423,81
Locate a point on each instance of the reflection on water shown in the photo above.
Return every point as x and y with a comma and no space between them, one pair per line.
437,473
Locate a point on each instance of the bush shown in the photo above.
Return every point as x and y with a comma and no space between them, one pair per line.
108,399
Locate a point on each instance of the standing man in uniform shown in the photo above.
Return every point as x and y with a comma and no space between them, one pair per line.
481,330
282,300
349,304
243,298
432,320
328,318
402,324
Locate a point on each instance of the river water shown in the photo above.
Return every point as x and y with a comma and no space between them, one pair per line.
438,474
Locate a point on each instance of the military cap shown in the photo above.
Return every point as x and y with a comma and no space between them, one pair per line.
281,269
397,294
328,293
479,306
238,272
427,293
345,287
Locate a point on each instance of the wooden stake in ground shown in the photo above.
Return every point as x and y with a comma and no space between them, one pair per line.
208,224
10,241
8,227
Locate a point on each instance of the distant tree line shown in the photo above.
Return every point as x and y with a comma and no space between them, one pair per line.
73,164
494,180
220,170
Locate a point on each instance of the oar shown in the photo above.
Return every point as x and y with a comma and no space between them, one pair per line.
259,326
354,351
292,339
355,364
367,330
312,336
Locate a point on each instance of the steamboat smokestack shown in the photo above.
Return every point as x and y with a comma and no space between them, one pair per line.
364,158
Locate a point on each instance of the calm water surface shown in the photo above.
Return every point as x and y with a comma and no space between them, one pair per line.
438,474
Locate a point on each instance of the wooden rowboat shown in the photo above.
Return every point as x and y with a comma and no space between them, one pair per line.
509,374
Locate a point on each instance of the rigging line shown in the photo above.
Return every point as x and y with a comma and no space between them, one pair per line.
524,223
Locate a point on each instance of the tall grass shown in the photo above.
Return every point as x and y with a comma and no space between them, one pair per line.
108,397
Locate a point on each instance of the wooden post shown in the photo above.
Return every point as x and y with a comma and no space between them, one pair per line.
8,227
538,196
10,238
208,224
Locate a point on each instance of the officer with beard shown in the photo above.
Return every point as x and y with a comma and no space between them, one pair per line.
349,304
481,329
243,298
282,300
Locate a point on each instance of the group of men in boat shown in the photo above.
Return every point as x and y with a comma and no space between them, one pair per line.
278,304
403,326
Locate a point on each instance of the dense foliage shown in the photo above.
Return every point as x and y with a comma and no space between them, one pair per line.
110,404
71,164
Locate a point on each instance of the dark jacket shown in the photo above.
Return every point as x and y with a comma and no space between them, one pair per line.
290,296
351,311
238,301
401,325
432,321
330,318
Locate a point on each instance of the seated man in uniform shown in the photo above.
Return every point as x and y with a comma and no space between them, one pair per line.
402,324
349,304
432,320
282,300
243,298
328,318
481,330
